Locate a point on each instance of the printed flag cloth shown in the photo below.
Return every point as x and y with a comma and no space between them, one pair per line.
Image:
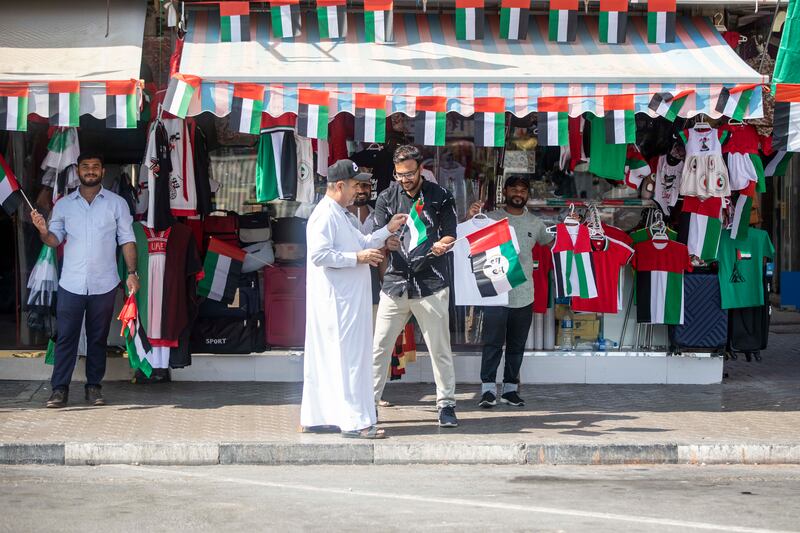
246,108
490,121
312,114
234,22
180,92
786,132
563,25
613,21
701,226
276,165
741,212
60,165
137,345
787,61
514,19
221,270
553,121
10,194
734,102
285,16
370,123
661,15
43,281
378,21
777,163
332,19
469,20
668,105
620,119
431,121
14,107
636,167
415,226
495,261
65,103
121,106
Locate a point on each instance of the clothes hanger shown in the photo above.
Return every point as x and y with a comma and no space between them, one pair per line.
572,218
702,124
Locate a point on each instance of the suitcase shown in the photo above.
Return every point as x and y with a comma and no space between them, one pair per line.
705,323
227,336
246,304
748,327
224,227
285,306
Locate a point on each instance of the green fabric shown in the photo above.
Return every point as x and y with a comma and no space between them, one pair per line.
787,63
605,160
641,235
50,355
741,280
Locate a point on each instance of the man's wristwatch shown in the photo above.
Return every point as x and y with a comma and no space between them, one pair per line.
133,273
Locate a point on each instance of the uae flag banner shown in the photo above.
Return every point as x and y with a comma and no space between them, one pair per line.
734,102
234,22
246,108
121,106
636,167
65,103
786,132
563,26
620,119
221,270
469,20
370,124
741,212
180,92
430,123
415,226
14,107
285,17
777,163
701,226
553,120
312,114
137,345
661,15
332,19
276,166
378,21
490,121
10,194
668,105
514,19
495,262
613,21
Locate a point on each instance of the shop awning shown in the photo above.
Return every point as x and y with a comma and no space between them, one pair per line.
428,60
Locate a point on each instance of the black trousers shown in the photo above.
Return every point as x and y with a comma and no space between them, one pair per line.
504,326
70,310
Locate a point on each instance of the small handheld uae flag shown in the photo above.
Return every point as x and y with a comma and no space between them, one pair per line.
553,120
121,108
514,19
137,345
221,270
469,20
563,26
234,22
332,19
495,262
636,168
734,102
378,21
14,107
661,21
180,93
613,21
312,114
431,121
10,195
370,126
285,15
620,119
668,105
786,132
247,106
65,103
415,226
490,121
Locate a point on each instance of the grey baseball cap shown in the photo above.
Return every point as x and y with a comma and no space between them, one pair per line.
342,170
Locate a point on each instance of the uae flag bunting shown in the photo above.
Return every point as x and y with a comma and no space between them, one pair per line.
553,120
65,103
469,20
378,21
312,114
490,121
370,124
121,104
495,262
431,120
285,16
786,132
661,21
415,226
734,102
332,19
563,26
234,22
613,21
668,105
221,270
636,167
137,345
514,19
246,108
620,119
14,107
10,194
179,93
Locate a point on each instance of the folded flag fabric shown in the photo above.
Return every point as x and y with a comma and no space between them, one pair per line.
514,19
60,165
122,110
613,21
370,123
14,107
276,166
563,25
415,226
620,119
246,108
234,22
490,121
668,105
65,103
430,123
777,163
786,132
221,269
661,16
553,120
285,15
43,281
180,92
50,354
741,212
469,20
734,102
332,19
140,352
495,262
636,167
10,194
312,114
378,21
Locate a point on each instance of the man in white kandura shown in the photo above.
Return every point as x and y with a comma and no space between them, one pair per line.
337,388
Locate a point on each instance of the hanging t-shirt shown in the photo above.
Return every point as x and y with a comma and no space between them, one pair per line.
701,226
572,263
378,161
542,266
616,233
305,170
704,173
668,183
741,268
464,282
605,160
608,256
183,191
452,179
660,266
644,234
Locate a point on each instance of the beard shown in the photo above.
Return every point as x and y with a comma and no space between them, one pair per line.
90,181
517,202
361,200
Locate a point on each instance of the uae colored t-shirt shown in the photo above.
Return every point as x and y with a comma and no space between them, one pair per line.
542,266
465,285
741,268
608,256
659,281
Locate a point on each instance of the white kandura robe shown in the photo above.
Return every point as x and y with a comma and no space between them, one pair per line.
337,387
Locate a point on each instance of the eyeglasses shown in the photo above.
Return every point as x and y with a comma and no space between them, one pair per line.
403,176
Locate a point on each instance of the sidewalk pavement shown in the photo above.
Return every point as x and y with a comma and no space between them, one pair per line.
752,417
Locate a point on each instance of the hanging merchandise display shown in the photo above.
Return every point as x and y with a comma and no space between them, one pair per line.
609,256
43,281
668,180
701,226
276,166
465,284
741,268
787,117
60,165
573,269
704,173
606,160
660,264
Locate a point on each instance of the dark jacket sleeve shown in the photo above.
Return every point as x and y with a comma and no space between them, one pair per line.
381,213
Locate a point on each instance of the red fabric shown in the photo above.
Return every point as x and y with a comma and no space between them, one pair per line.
616,233
340,129
196,225
542,265
564,242
673,257
608,257
287,120
710,207
575,128
732,38
742,139
175,58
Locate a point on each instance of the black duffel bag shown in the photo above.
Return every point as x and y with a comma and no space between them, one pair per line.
227,336
254,228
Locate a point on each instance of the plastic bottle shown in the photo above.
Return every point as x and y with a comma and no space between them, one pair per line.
567,339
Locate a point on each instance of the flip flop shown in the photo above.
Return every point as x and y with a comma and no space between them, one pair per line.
370,433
